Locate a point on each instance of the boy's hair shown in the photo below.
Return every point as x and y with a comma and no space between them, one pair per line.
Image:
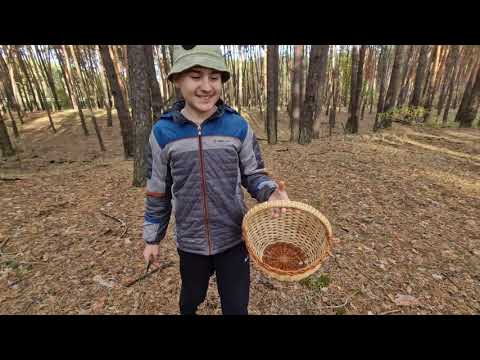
188,56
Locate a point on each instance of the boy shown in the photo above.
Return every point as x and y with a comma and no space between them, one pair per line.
200,153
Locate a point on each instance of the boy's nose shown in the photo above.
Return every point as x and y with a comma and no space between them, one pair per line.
205,84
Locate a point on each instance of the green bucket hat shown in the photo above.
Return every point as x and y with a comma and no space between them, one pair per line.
188,56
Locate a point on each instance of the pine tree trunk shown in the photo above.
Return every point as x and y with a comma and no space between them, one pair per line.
24,97
420,76
407,72
40,78
430,94
107,99
48,77
120,105
166,67
451,85
335,92
306,119
12,83
73,88
318,104
468,89
272,92
394,86
382,74
41,94
88,96
296,92
5,143
467,114
23,67
156,99
118,72
140,94
356,89
14,123
61,62
93,78
446,78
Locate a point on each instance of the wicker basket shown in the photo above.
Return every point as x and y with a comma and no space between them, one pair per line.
290,247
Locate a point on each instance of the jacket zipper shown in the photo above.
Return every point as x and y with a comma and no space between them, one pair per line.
204,189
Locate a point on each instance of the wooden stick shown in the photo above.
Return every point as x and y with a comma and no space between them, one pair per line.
4,243
114,218
10,179
345,303
144,276
390,312
124,224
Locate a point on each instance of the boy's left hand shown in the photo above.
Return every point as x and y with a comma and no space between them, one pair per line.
279,194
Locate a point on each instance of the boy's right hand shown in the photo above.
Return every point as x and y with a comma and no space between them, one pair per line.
150,253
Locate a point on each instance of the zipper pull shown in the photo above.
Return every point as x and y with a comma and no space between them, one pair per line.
199,130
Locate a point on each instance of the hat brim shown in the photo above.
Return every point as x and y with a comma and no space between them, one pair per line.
203,59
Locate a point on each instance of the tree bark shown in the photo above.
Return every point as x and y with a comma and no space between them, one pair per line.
433,82
356,89
118,71
382,70
73,88
335,92
48,77
12,84
446,77
12,119
296,92
451,84
140,94
5,143
394,86
467,115
420,76
467,90
272,93
23,67
61,61
85,91
306,119
107,99
156,98
41,94
318,105
120,104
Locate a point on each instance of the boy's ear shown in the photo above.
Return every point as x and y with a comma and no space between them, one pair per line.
176,80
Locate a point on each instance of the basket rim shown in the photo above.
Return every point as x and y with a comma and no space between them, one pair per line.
287,204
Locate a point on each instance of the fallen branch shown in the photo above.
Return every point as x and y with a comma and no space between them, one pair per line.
345,303
144,276
390,312
10,179
124,224
4,243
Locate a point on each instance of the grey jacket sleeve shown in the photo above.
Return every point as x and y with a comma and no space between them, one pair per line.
254,175
158,197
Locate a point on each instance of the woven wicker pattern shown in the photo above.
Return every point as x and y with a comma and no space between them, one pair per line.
299,240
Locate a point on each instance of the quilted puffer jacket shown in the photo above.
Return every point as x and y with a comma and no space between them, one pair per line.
196,173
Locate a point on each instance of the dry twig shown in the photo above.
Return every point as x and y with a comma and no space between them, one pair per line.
123,223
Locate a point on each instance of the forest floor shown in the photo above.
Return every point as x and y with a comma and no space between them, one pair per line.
404,205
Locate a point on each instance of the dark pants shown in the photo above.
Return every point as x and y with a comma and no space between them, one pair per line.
232,268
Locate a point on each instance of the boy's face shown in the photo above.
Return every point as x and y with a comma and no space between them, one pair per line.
200,88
